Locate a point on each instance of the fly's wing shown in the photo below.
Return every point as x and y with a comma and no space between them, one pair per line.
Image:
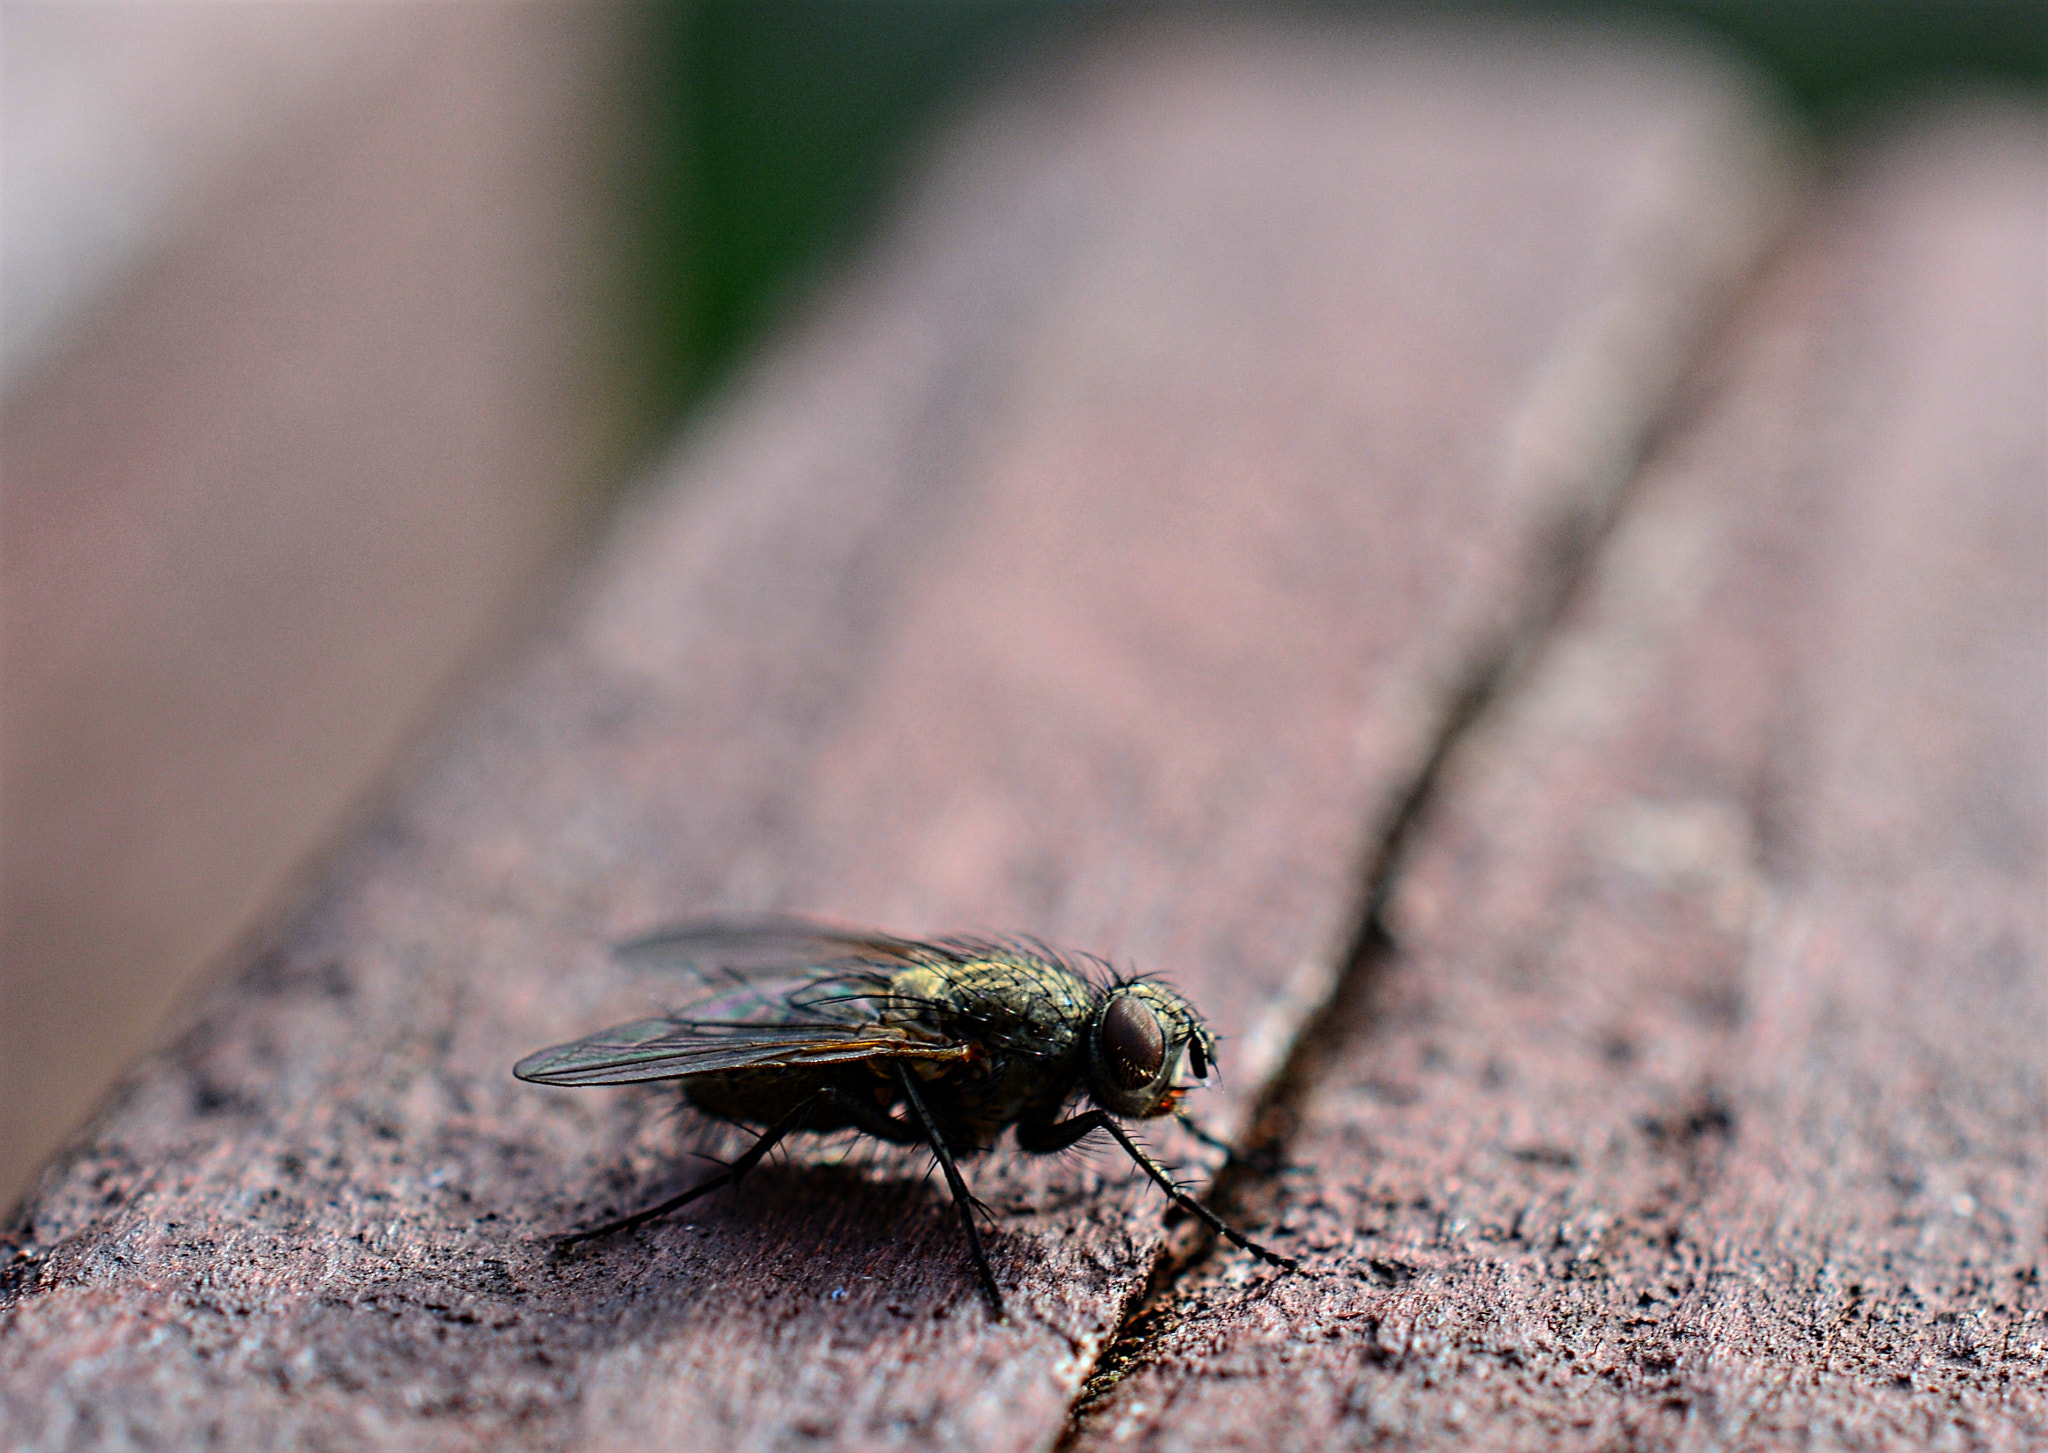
744,950
669,1049
796,993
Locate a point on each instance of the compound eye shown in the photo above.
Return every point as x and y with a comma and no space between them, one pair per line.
1133,1042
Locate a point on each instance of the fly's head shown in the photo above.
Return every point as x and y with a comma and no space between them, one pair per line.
1146,1046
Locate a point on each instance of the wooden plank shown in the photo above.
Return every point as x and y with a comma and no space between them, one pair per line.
273,490
1705,1102
1096,565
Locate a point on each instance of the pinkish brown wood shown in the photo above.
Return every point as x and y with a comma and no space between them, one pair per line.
267,499
1705,1101
1099,563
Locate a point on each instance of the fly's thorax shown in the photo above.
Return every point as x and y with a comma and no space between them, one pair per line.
912,995
1013,1006
1023,1020
1146,1045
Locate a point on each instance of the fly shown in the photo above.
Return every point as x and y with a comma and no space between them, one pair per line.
943,1043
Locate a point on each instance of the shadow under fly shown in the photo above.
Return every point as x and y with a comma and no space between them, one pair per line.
942,1044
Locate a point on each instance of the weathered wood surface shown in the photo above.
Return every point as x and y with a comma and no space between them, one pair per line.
1101,563
1705,1100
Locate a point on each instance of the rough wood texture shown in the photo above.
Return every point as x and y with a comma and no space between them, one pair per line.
1097,567
1705,1100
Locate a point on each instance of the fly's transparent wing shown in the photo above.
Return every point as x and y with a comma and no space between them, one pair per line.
668,1049
783,993
742,950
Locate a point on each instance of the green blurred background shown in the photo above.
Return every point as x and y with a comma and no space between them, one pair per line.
778,126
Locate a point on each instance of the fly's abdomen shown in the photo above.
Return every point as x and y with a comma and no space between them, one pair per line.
764,1096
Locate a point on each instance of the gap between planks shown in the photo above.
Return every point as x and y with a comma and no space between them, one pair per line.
1335,1018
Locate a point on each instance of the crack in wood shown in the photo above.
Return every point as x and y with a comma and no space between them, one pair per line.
1564,565
1256,1164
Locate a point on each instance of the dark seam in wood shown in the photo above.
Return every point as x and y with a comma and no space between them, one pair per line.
1565,565
1275,1113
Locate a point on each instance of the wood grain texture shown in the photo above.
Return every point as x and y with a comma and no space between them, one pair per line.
1095,565
1705,1100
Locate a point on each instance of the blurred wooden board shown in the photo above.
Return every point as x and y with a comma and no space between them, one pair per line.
273,489
1100,564
1705,1101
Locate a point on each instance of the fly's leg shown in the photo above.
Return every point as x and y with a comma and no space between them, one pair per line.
961,1198
874,1121
1046,1138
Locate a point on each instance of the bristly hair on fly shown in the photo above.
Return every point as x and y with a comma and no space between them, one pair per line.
944,1043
